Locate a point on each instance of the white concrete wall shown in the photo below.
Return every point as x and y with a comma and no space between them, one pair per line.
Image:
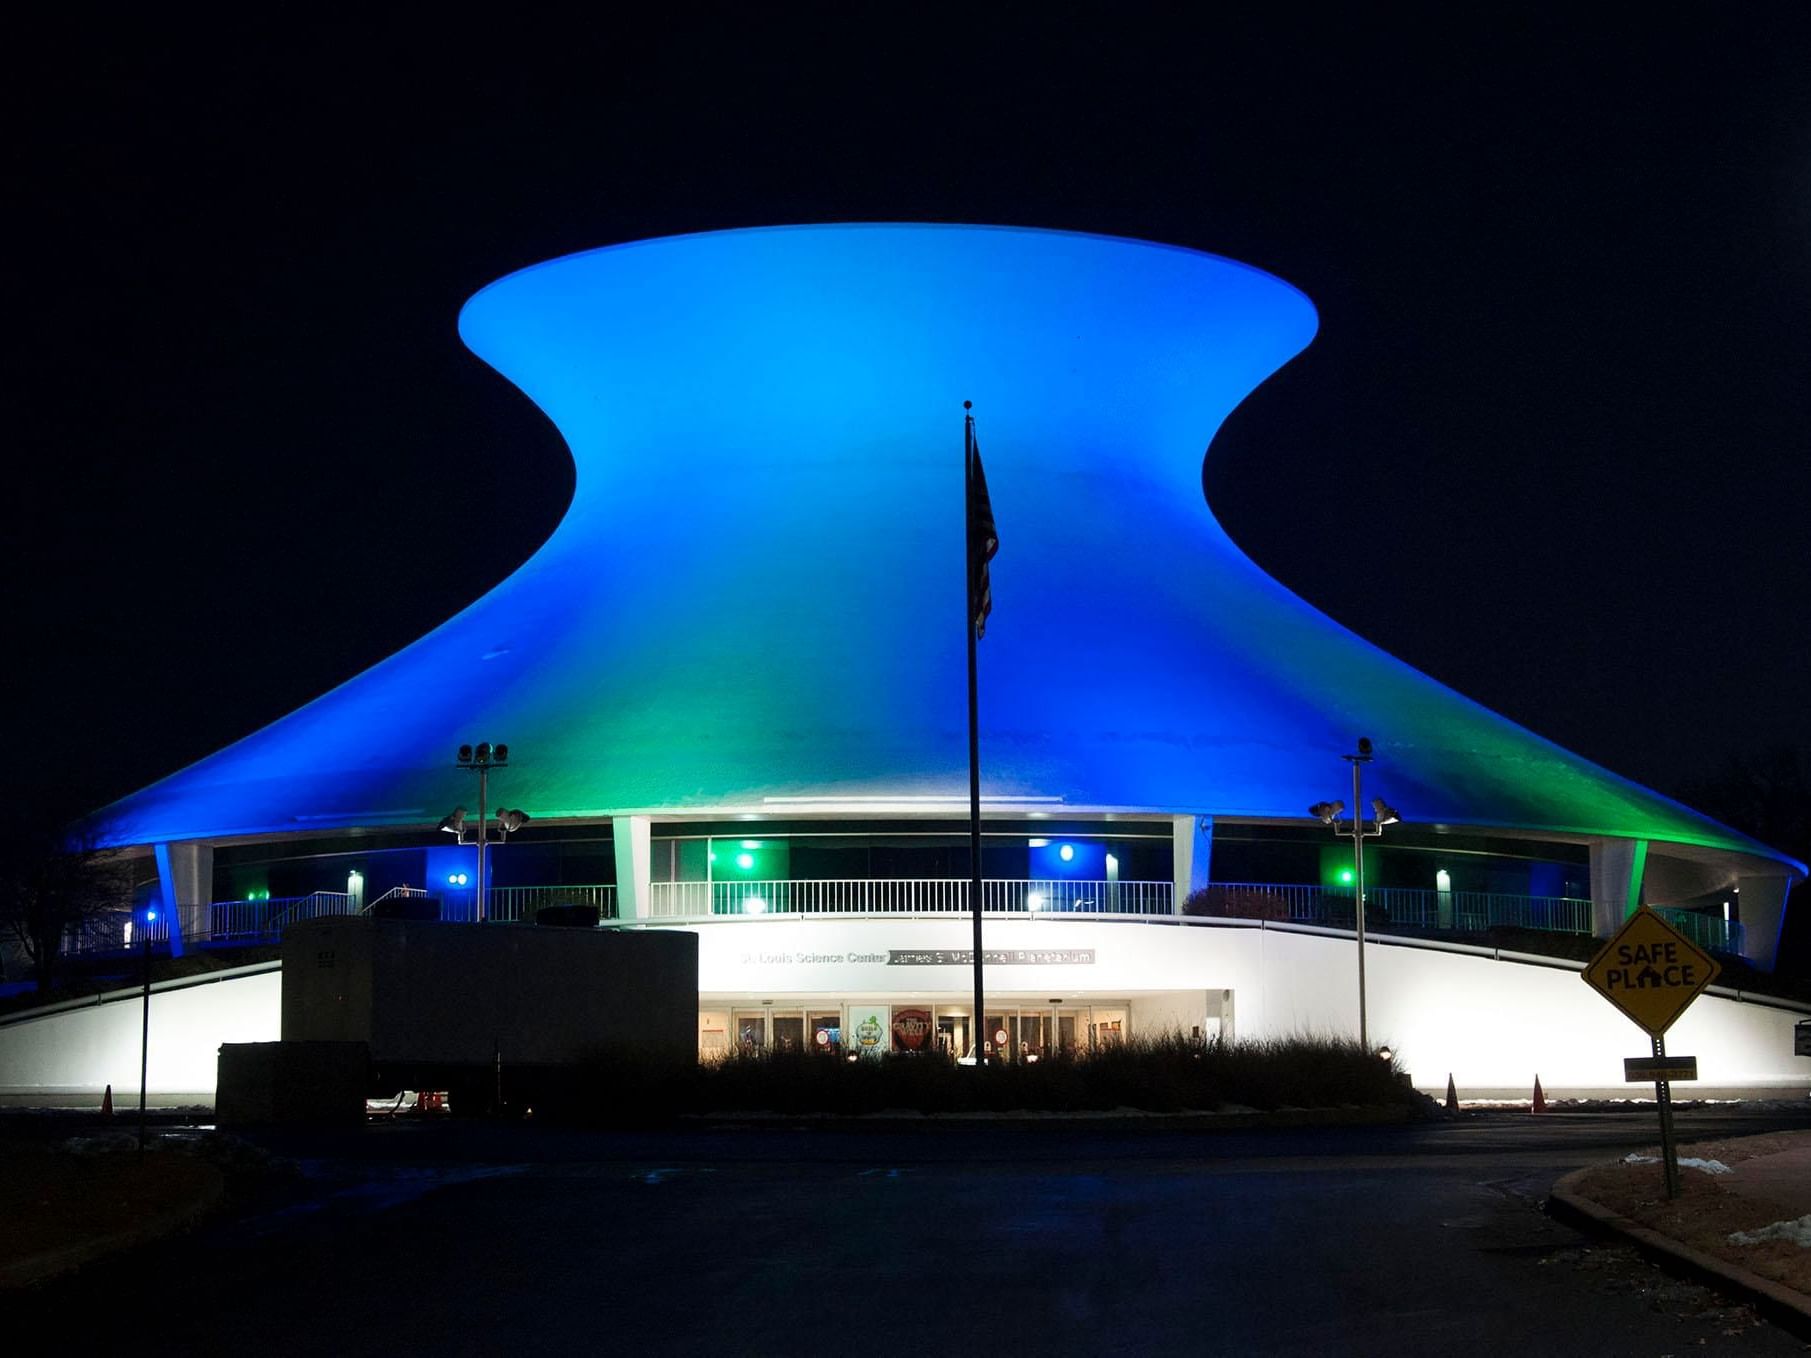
1494,1025
82,1051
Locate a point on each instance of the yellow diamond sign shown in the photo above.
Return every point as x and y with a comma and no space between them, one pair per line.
1651,971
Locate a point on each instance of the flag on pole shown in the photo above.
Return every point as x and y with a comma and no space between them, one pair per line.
983,538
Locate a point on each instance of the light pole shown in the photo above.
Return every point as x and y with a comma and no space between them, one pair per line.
144,1031
1358,829
481,759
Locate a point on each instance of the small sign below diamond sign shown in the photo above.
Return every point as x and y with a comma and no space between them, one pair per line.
1651,971
1640,1070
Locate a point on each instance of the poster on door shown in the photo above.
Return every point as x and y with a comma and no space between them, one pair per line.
869,1029
911,1029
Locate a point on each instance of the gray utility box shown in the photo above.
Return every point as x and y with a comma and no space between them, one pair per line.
260,1083
444,1006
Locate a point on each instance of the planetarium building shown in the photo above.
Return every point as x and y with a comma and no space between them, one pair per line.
732,689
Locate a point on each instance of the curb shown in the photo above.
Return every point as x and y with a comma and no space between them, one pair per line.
42,1267
1788,1308
1107,1121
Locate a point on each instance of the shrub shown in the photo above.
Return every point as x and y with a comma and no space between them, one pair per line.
1162,1073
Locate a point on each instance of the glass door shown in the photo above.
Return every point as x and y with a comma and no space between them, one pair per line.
826,1033
751,1029
1107,1026
1031,1033
789,1032
996,1035
952,1032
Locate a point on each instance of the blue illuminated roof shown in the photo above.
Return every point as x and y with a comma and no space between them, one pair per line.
757,589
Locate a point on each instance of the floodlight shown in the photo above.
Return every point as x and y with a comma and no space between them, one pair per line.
1326,812
1066,853
500,754
1384,812
454,823
511,820
1385,1054
1364,747
465,754
483,752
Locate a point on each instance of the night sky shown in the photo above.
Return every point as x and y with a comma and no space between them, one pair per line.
1550,446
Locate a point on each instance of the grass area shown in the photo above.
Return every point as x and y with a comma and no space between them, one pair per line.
1158,1074
62,1198
1706,1211
67,1200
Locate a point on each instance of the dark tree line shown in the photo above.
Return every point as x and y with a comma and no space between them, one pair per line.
58,882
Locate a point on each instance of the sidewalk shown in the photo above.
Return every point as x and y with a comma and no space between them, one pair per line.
1757,1189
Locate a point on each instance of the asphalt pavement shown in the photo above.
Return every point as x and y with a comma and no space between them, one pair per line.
757,1239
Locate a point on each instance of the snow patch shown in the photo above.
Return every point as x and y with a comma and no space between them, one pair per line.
1797,1232
1685,1162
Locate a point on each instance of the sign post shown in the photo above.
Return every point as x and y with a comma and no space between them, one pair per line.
1652,972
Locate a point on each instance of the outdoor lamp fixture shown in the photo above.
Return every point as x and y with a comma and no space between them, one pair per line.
1358,830
481,759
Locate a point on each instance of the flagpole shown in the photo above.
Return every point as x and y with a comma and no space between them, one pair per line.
974,726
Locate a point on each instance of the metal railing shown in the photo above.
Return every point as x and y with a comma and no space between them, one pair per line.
1710,932
905,896
520,904
267,918
1407,909
1402,907
247,921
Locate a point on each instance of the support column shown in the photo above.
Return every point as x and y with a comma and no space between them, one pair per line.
1762,910
1191,854
629,836
1617,866
185,876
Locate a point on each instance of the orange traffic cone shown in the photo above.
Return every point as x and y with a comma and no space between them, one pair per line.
1539,1105
1452,1095
107,1103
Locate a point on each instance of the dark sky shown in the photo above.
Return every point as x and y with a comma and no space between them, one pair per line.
1550,446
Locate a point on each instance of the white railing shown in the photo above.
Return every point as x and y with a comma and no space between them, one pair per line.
267,918
1401,907
247,921
520,904
1387,908
1707,931
395,893
905,896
